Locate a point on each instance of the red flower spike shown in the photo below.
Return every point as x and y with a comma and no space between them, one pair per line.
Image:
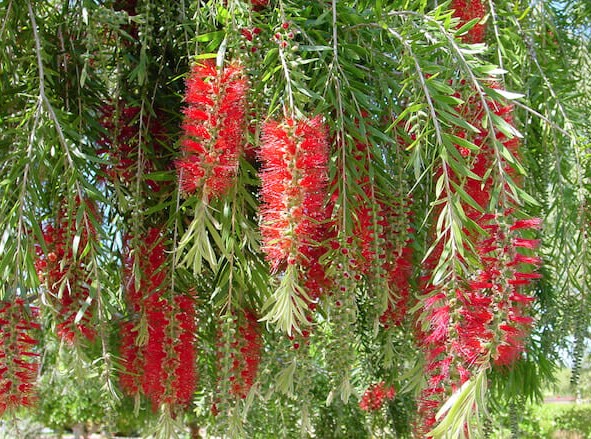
474,336
294,189
213,128
18,361
246,355
155,374
65,275
164,368
184,374
375,395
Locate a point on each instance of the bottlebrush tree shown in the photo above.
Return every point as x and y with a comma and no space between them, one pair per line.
282,218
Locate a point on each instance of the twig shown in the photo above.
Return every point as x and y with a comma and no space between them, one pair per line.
8,11
45,100
439,136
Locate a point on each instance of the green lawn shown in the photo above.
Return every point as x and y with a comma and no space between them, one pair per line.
553,421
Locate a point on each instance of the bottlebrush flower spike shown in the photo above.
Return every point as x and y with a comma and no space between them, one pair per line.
213,127
162,364
294,188
121,144
294,156
375,395
145,261
184,374
63,271
246,354
155,373
18,360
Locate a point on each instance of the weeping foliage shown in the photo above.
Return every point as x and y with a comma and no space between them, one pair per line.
340,218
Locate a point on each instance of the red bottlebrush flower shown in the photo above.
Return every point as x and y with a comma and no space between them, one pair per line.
294,188
164,367
64,273
120,144
131,359
150,256
467,10
184,375
375,395
18,361
155,374
246,355
213,127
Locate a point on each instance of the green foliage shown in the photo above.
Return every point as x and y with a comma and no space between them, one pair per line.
68,398
576,419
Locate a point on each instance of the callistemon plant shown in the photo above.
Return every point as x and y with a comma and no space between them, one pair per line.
158,340
213,128
62,267
294,176
19,360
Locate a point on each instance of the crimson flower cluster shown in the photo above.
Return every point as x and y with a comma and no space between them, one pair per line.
159,363
120,144
259,4
18,360
294,179
467,10
64,273
184,374
380,243
485,319
375,395
399,275
213,129
245,354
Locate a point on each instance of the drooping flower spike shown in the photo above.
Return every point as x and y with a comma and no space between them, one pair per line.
19,361
294,176
213,128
